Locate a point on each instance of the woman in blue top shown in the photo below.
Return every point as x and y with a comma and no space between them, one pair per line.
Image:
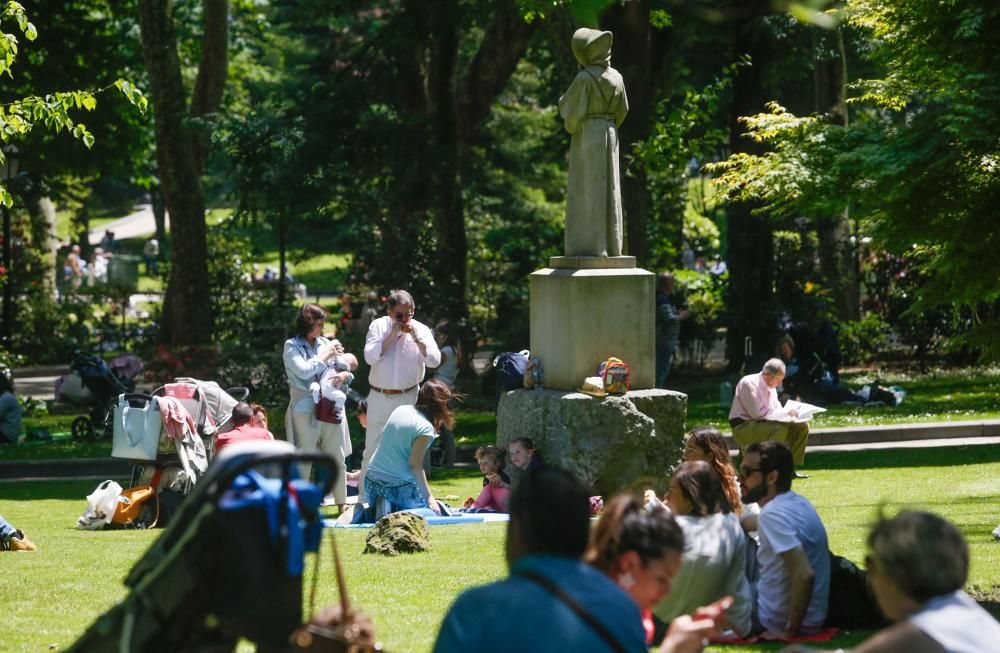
396,479
305,357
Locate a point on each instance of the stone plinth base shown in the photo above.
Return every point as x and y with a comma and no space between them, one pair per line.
613,444
582,317
591,262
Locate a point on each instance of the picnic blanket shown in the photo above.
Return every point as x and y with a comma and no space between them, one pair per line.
434,519
824,635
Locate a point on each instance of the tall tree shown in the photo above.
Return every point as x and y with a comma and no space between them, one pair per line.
180,155
837,252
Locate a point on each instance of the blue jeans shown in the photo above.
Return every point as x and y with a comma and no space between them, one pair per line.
664,359
6,530
392,496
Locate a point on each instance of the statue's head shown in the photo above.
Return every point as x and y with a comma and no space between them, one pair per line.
592,46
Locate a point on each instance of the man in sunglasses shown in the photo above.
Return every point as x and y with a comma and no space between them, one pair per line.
793,588
398,349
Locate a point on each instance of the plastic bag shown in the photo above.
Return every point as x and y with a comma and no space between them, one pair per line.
101,506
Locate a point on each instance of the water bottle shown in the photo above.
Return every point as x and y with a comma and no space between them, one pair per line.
536,371
725,394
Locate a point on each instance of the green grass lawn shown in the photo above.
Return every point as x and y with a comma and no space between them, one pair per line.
50,597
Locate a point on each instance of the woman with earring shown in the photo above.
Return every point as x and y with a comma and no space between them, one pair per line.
642,551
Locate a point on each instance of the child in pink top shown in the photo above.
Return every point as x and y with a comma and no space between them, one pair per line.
495,496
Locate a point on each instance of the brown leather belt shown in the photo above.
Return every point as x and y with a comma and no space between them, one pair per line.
392,392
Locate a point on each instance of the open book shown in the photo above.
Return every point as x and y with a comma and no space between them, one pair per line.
804,412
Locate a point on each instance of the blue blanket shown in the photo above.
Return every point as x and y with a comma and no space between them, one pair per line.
433,519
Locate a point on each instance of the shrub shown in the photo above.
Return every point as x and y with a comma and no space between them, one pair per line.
861,341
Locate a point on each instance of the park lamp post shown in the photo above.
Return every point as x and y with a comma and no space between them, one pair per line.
8,172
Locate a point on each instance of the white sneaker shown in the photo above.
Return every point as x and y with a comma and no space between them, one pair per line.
996,533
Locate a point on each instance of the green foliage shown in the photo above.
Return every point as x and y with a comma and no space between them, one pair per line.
862,340
686,130
704,295
918,164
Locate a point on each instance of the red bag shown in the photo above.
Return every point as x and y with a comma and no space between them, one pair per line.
326,411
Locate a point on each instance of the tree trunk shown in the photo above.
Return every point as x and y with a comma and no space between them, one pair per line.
631,56
42,212
836,252
187,319
211,82
750,242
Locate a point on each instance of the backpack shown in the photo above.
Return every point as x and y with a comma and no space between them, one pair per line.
616,374
851,603
510,367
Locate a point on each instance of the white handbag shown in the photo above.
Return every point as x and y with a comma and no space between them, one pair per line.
136,430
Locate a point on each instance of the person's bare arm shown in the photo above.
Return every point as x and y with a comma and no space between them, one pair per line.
801,578
417,467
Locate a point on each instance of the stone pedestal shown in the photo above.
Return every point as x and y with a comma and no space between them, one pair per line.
613,444
582,316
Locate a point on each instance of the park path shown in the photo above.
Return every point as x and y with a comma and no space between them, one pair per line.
138,224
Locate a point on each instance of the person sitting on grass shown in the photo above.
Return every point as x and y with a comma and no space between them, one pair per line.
12,539
260,418
243,428
917,566
641,551
523,454
715,549
552,600
495,496
396,479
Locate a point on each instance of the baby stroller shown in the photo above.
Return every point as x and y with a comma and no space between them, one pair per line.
246,526
95,383
180,460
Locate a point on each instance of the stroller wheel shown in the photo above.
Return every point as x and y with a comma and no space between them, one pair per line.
82,429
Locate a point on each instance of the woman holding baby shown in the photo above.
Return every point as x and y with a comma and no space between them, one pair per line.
307,357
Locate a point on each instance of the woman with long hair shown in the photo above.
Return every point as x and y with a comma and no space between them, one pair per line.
715,549
396,479
708,444
641,551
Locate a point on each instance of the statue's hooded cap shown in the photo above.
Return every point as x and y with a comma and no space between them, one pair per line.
592,46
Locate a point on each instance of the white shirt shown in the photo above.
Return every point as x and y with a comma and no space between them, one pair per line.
958,624
402,365
786,522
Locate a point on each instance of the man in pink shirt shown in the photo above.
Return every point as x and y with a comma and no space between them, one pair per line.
243,428
757,415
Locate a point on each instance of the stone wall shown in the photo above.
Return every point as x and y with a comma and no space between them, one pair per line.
614,444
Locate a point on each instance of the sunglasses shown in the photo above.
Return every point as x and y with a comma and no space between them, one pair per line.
747,472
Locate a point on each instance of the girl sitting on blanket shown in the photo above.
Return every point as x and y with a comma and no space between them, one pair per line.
523,454
496,484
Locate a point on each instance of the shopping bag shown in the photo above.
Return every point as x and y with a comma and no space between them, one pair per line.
101,506
136,433
137,507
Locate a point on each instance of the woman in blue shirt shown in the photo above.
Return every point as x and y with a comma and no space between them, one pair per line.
396,479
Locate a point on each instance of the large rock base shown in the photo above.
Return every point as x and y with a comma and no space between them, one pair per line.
614,444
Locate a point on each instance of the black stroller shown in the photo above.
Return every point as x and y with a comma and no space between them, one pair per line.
104,386
224,568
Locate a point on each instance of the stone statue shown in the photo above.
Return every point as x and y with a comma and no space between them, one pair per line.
592,109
